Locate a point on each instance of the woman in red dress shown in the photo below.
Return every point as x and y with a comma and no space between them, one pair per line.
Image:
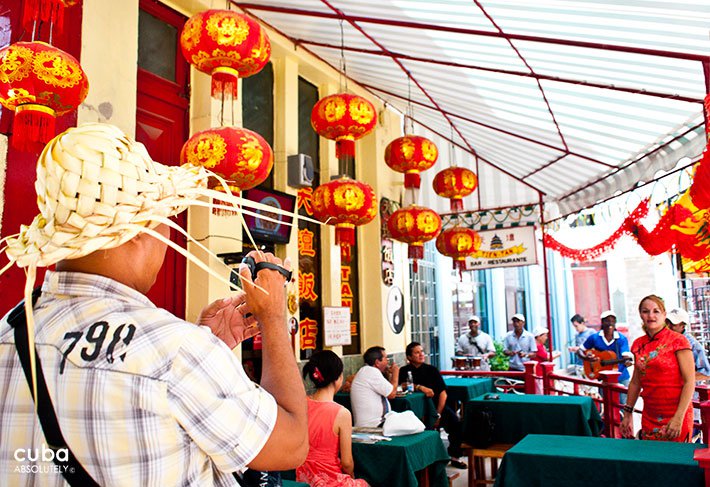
330,460
664,374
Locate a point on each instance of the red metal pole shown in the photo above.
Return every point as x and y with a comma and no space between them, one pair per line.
530,377
544,271
547,369
612,413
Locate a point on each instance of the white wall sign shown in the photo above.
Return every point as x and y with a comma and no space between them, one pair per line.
336,325
505,247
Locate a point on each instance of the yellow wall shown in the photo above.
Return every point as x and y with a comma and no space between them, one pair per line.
110,32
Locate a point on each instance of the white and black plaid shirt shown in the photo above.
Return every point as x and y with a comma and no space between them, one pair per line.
142,397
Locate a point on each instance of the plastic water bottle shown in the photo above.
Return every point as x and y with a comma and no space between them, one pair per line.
410,382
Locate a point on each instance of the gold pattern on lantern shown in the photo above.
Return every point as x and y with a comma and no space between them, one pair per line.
462,241
191,33
251,152
404,222
208,150
468,179
333,109
204,60
429,150
19,96
227,30
16,65
408,147
56,70
361,111
262,50
349,197
427,223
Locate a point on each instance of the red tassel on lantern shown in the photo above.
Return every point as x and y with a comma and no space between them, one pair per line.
45,11
225,80
345,237
33,127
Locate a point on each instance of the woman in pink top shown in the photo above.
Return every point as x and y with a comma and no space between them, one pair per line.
330,457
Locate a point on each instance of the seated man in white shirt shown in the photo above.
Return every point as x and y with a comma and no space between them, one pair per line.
374,383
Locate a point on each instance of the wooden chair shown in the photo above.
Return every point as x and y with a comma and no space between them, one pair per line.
476,462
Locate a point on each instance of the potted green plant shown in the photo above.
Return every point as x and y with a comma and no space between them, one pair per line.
499,361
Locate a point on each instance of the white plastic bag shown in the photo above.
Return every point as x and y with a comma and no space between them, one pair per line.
400,424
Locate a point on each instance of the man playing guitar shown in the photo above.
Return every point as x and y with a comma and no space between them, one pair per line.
608,339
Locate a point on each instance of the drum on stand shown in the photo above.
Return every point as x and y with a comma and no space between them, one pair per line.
460,363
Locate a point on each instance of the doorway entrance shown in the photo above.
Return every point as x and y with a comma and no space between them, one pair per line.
162,125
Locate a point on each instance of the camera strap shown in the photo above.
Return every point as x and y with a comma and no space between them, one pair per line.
71,469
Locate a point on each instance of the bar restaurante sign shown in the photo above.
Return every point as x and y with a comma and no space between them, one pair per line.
504,247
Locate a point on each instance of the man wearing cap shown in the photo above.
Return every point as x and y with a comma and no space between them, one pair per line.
519,344
608,339
582,333
678,320
476,342
140,396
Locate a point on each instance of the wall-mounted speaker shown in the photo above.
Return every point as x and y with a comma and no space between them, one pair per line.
300,171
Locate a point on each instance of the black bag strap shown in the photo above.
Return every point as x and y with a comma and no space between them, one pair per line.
71,469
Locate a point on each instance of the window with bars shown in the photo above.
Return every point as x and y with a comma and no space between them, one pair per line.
423,304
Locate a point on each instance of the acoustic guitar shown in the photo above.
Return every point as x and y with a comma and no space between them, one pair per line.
607,361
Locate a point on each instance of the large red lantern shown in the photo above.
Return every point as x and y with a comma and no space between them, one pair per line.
344,118
411,155
458,243
51,12
39,82
345,203
226,45
414,225
455,183
242,157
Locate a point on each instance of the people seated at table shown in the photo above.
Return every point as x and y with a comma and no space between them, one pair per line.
330,458
475,342
428,380
664,376
677,320
581,335
519,344
608,339
373,385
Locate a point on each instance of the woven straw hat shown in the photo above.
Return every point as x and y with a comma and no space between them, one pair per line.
97,189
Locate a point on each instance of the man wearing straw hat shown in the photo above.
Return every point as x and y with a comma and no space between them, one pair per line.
137,395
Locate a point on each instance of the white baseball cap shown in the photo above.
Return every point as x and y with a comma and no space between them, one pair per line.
518,316
474,318
677,316
541,330
607,313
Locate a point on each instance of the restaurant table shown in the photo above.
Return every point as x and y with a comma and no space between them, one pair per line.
422,406
563,461
293,483
395,463
463,389
515,416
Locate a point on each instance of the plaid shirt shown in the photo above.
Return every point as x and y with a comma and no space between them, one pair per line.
142,397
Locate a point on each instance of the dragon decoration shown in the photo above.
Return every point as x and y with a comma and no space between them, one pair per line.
684,226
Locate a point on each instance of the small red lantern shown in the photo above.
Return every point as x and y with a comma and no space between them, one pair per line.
344,118
458,243
455,183
414,225
242,157
345,203
226,45
51,12
39,82
411,155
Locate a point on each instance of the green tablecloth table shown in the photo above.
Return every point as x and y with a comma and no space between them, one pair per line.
394,463
422,406
563,461
516,416
463,389
293,483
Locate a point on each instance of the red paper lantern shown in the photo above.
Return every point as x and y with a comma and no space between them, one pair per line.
455,183
242,157
344,118
414,225
45,11
345,203
226,45
39,82
411,155
458,243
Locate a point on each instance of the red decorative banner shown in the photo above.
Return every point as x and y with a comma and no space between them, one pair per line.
582,255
